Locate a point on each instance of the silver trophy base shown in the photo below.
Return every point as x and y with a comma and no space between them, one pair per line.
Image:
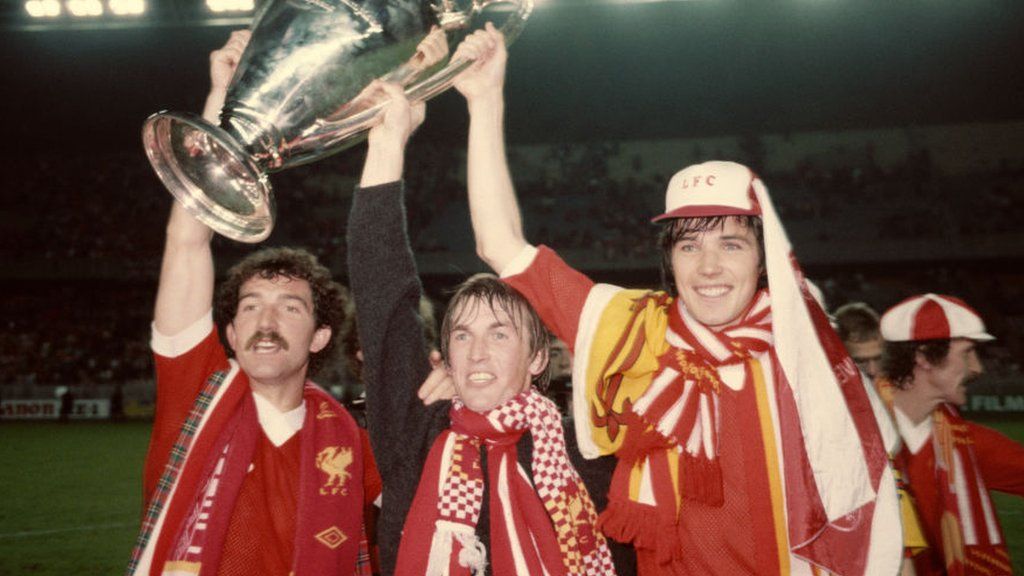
210,174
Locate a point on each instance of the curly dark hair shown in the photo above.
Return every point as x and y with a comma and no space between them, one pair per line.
488,290
329,297
676,229
898,358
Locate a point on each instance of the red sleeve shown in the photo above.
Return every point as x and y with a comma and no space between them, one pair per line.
556,291
1000,459
371,477
178,382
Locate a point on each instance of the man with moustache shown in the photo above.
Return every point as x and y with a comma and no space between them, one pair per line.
481,484
745,439
252,468
950,463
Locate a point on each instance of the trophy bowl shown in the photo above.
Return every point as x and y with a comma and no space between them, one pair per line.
300,93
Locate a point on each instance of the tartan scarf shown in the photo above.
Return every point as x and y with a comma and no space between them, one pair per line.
187,518
547,527
679,414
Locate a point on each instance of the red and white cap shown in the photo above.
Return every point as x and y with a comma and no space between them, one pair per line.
713,188
932,317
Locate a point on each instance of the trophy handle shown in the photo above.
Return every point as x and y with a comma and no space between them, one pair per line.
444,78
349,128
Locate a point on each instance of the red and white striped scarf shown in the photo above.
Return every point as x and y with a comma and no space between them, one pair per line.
682,403
547,527
972,540
679,412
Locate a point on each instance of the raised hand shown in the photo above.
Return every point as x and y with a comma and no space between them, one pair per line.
385,156
399,119
432,49
224,61
486,76
439,384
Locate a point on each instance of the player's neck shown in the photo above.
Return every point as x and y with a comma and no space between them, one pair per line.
284,395
915,403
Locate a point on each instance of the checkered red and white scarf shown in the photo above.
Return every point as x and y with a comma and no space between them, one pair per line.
547,527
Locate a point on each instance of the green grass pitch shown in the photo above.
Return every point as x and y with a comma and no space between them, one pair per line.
70,497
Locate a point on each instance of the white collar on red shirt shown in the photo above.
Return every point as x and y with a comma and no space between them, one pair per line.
277,425
914,435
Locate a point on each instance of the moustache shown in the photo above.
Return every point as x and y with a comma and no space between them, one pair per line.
272,336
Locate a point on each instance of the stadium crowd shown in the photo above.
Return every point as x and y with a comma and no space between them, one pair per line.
82,211
95,222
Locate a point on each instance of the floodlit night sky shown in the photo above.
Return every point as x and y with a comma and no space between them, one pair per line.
599,71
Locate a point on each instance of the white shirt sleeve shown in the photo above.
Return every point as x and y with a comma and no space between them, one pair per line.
172,346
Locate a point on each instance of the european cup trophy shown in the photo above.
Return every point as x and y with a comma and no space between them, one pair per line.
300,93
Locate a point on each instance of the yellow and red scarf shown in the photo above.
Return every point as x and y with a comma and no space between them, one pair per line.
673,426
652,402
548,527
972,539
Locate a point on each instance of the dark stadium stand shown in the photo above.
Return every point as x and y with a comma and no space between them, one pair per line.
83,240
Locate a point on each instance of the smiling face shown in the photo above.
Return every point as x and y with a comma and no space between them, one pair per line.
948,379
489,356
274,330
716,271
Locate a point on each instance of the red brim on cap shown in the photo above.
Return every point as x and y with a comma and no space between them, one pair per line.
706,210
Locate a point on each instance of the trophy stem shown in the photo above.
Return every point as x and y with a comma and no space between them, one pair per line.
260,139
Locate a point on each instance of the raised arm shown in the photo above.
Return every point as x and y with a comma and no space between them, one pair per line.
386,286
497,225
386,289
185,292
184,295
